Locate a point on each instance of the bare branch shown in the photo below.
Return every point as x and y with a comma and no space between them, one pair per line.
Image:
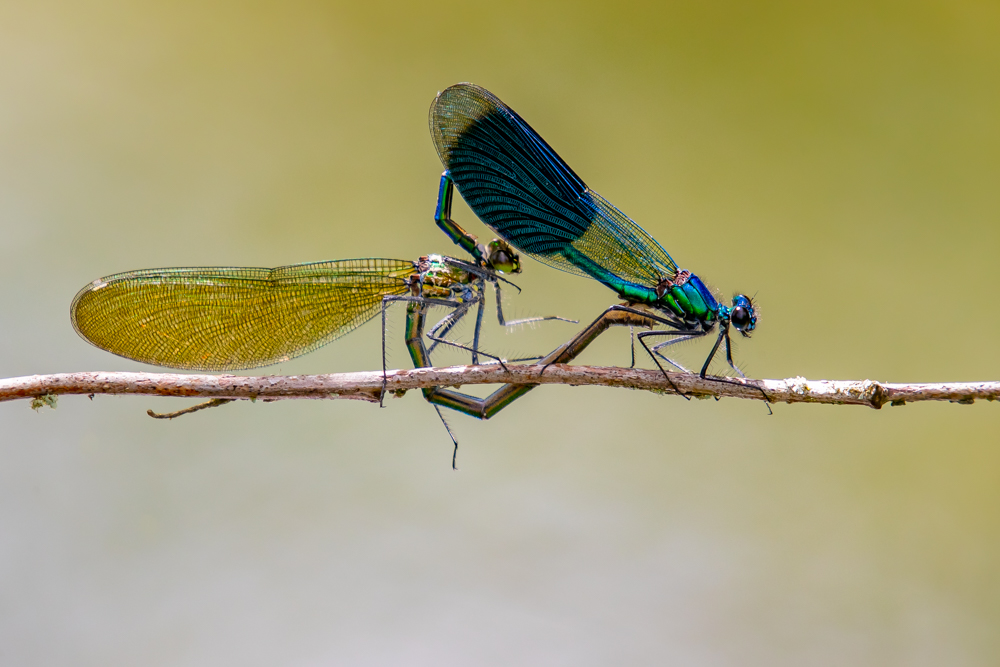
366,386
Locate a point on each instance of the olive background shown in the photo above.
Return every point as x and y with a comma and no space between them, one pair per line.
838,160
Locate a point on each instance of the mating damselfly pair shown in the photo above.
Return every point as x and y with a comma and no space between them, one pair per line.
230,318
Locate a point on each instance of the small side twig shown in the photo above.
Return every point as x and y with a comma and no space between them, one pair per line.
214,403
367,386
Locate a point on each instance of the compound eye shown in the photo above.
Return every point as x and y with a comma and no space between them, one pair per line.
503,258
501,261
740,317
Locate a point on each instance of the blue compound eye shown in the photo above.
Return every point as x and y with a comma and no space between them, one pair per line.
740,317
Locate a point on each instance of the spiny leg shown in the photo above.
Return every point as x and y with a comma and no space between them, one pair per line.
656,361
629,316
654,352
631,335
439,330
433,335
724,334
723,330
656,348
484,275
454,452
527,320
518,360
616,315
438,339
729,360
480,299
449,322
729,357
442,328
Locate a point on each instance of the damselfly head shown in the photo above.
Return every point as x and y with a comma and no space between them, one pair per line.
742,315
502,257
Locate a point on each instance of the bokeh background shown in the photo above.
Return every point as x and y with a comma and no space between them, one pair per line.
840,160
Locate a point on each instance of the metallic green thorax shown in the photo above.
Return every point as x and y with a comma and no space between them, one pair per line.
437,278
688,298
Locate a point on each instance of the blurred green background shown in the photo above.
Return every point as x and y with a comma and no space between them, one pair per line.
840,160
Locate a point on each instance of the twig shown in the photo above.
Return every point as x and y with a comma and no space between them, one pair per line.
366,386
213,403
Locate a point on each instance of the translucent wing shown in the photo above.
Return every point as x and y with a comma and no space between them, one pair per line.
223,318
522,190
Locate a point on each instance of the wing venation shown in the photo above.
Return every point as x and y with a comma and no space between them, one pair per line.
520,188
229,318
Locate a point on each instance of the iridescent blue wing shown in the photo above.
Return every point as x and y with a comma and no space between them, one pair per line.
521,189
